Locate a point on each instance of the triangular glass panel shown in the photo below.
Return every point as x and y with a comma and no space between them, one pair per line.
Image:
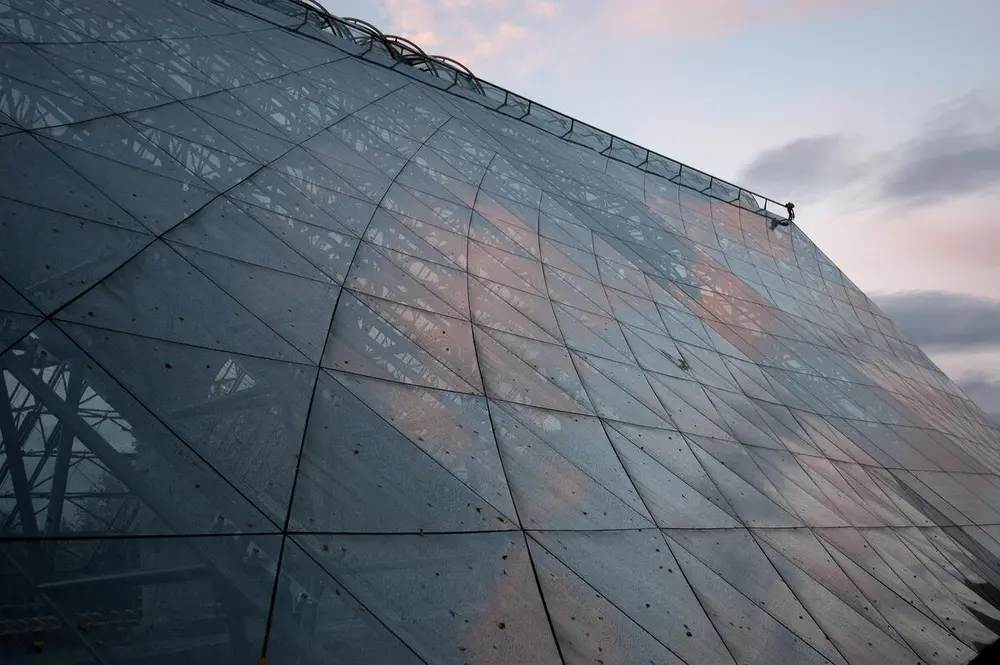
654,352
790,432
612,400
684,328
834,443
349,144
436,184
115,139
646,583
685,403
493,311
376,121
112,91
301,165
512,212
801,547
737,458
736,558
25,162
373,272
671,450
582,441
448,339
33,107
14,325
447,283
566,232
517,272
524,241
484,231
553,491
850,543
592,334
753,507
536,308
796,487
929,639
353,213
568,259
588,626
315,619
575,291
427,209
752,635
220,170
453,428
927,583
261,145
213,62
243,416
674,503
517,369
360,139
51,26
708,368
388,231
857,638
741,419
363,341
159,294
226,106
169,71
449,597
637,312
51,257
359,474
113,447
188,571
12,301
27,64
222,227
452,246
179,120
622,278
298,309
838,491
156,201
330,251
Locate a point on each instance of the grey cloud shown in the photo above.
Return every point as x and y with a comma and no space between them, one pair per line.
985,392
956,153
808,167
942,321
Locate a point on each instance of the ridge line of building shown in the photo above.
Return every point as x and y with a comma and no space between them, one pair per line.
452,76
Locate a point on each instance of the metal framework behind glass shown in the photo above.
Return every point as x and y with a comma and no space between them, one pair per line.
374,45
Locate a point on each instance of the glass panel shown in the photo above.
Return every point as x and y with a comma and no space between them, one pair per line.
359,474
92,461
128,598
51,257
161,295
648,585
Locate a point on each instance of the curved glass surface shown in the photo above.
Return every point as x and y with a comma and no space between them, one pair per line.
305,359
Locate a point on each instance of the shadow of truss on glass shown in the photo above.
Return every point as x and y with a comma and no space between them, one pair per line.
311,355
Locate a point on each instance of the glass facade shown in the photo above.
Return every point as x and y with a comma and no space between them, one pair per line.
312,356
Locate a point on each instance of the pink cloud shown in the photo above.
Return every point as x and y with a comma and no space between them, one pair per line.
693,21
542,8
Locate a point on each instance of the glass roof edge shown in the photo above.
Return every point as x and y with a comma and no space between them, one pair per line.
403,50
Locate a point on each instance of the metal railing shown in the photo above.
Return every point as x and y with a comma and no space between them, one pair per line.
393,50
